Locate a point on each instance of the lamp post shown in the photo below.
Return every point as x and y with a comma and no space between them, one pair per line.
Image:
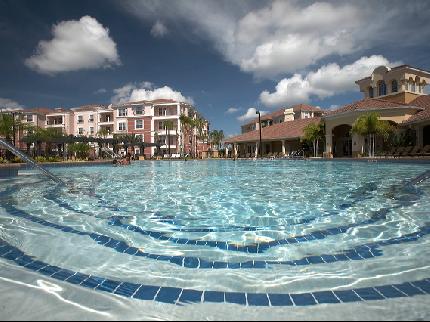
259,127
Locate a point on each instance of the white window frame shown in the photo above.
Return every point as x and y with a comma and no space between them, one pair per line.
120,110
81,132
119,126
135,125
140,109
28,119
91,130
91,118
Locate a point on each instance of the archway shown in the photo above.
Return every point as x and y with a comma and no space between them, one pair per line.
342,141
426,135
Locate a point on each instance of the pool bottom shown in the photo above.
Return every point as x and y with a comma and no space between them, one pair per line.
42,298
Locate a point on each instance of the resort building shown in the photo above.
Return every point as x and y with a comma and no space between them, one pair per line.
396,94
281,131
156,121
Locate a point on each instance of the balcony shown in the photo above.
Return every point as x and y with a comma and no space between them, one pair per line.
106,120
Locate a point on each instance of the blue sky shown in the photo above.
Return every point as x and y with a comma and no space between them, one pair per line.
226,57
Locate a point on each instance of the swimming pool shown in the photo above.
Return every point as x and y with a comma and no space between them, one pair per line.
283,239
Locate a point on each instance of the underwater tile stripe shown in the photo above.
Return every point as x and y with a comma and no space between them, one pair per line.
257,247
361,252
181,296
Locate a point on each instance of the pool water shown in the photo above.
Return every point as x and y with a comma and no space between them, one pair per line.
217,239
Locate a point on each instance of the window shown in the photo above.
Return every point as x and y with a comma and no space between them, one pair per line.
162,111
138,110
371,92
413,87
91,131
139,124
91,119
394,87
160,126
121,126
29,117
81,131
80,119
122,112
382,88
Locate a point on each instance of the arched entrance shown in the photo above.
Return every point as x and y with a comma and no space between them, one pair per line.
426,135
342,141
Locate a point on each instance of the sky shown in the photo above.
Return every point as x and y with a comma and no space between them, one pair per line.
228,58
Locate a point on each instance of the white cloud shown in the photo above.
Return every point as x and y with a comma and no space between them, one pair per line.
272,38
250,114
145,91
76,45
100,91
7,104
232,110
327,81
159,30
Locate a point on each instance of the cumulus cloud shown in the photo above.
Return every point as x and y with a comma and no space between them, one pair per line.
250,114
146,91
232,110
76,45
276,38
159,30
327,81
7,104
100,91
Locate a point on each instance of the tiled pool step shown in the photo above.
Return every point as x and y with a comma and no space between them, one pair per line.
179,296
361,252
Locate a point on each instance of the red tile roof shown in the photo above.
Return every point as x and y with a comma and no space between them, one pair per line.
366,104
296,108
422,101
286,130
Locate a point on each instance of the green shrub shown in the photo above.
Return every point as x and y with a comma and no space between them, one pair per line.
16,160
40,159
2,160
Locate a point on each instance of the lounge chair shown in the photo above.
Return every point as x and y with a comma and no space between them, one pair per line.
406,151
425,152
389,153
399,152
415,151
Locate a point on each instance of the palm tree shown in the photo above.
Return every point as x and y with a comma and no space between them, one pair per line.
102,133
216,138
314,132
185,122
168,125
370,125
199,125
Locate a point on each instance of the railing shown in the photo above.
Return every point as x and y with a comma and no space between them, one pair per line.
30,161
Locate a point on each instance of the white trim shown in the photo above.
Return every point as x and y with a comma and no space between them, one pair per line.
135,124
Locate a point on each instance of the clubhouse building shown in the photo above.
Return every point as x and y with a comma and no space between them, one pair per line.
396,94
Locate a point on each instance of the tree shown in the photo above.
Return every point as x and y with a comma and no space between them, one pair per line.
81,150
216,137
168,125
186,125
314,132
199,125
370,125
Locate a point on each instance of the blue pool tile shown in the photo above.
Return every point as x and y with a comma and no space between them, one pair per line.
234,265
168,295
301,262
49,270
191,262
234,297
108,286
347,296
304,299
341,257
78,278
35,265
329,258
146,292
205,264
23,260
127,289
63,274
315,260
325,297
319,235
92,282
389,292
408,289
131,250
13,254
214,296
369,294
257,299
191,296
280,300
354,256
248,264
219,265
121,247
176,260
424,285
112,243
